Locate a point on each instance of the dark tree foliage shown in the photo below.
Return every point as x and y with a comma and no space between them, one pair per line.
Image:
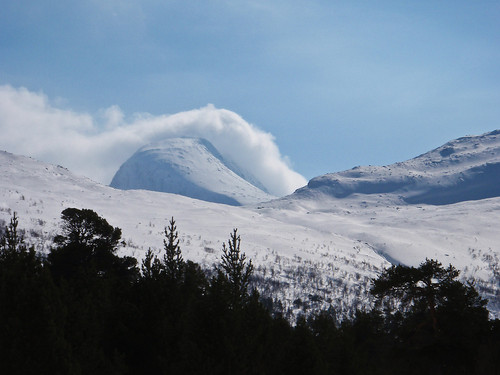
86,228
88,244
170,268
94,284
438,322
12,243
421,290
426,291
32,337
235,269
172,260
85,310
151,266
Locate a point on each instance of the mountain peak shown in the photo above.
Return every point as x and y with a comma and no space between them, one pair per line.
192,167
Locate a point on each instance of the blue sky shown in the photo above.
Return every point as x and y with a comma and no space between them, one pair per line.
338,84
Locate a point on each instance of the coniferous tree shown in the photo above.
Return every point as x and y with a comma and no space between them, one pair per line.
172,260
151,266
425,289
88,244
11,242
85,227
31,312
94,283
437,322
235,269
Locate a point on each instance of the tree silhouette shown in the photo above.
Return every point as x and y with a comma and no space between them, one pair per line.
97,319
85,227
424,289
12,242
235,269
31,312
88,244
436,322
172,260
151,266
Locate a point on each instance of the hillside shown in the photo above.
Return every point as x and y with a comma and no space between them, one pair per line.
308,252
465,169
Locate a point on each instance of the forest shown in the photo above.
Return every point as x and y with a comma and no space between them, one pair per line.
83,309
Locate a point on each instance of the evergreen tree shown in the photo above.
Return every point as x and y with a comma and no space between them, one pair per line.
235,269
88,245
437,322
95,285
32,316
172,260
85,227
151,266
12,243
424,290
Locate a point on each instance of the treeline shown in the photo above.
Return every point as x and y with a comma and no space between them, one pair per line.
82,309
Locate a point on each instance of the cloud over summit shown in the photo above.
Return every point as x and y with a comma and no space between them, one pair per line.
95,146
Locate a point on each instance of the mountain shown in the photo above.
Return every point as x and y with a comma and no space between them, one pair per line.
191,167
461,170
310,249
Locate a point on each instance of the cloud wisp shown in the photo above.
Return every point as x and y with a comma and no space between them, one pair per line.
95,146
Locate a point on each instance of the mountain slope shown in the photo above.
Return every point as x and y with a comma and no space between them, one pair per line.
461,170
323,251
191,167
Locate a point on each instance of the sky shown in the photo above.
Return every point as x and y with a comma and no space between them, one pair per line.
314,86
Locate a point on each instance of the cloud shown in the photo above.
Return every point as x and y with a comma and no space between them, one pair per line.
97,146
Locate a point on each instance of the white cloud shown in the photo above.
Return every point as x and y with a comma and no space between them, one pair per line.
31,125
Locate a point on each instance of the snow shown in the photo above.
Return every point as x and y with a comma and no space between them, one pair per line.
191,167
310,243
461,170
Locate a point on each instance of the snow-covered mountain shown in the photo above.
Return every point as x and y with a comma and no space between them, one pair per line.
311,249
191,167
461,170
297,262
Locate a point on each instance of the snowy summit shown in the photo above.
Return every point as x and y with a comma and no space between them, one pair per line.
191,167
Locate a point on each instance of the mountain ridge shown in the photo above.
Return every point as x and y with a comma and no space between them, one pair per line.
467,168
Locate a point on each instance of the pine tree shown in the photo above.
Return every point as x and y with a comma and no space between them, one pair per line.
151,266
12,242
31,312
436,322
89,245
86,228
235,269
13,250
424,289
172,259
